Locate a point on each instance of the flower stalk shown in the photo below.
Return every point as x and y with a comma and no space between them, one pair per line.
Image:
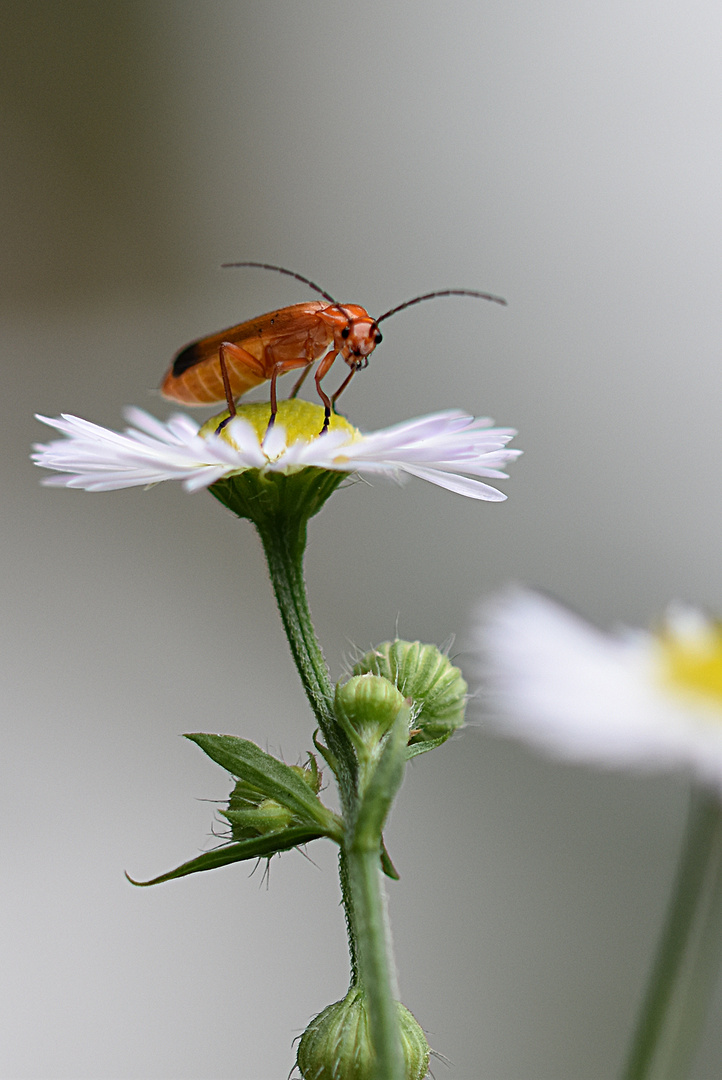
284,555
280,507
372,965
689,952
372,936
376,972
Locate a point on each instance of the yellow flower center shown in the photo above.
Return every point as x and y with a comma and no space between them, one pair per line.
691,656
301,420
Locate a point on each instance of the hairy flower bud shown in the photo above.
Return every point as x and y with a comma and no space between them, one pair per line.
336,1044
424,674
251,813
370,704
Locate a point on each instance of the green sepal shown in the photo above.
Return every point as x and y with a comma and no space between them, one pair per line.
259,847
274,778
265,497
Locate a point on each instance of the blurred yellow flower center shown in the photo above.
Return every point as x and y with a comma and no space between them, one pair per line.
692,660
301,420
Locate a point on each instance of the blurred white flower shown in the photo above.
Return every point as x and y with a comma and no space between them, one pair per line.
450,449
634,699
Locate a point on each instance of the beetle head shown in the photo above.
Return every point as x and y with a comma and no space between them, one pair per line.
355,333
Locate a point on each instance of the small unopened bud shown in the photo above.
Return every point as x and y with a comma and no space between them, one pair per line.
251,813
370,704
309,774
336,1044
424,674
248,817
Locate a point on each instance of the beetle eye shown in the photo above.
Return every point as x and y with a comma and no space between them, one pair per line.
345,332
379,338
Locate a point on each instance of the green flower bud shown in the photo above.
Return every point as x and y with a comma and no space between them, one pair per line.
424,674
251,813
336,1044
370,704
249,818
309,774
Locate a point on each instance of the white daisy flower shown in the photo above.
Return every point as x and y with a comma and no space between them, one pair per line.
644,700
450,449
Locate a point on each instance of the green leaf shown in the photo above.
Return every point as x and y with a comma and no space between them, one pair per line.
414,749
382,785
278,781
259,847
326,754
386,865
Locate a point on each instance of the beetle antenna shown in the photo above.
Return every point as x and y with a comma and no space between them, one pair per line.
289,273
443,292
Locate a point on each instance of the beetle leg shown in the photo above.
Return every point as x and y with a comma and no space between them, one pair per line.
281,368
299,382
226,382
322,370
227,348
226,386
342,387
274,402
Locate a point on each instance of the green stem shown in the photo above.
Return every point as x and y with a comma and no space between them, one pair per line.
284,543
379,782
372,967
683,975
284,548
376,969
349,911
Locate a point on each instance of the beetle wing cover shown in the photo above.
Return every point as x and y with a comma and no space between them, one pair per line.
194,377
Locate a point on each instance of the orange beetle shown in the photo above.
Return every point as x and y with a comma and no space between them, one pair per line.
224,366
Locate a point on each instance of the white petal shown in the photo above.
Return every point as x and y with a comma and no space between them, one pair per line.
460,485
274,442
557,682
450,449
155,428
103,460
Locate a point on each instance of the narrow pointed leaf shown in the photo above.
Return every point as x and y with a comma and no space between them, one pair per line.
414,749
259,847
386,864
326,754
383,785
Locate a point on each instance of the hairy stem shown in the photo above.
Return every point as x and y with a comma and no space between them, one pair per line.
376,971
364,901
349,911
284,547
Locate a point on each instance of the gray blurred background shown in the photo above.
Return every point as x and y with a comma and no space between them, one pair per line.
565,155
